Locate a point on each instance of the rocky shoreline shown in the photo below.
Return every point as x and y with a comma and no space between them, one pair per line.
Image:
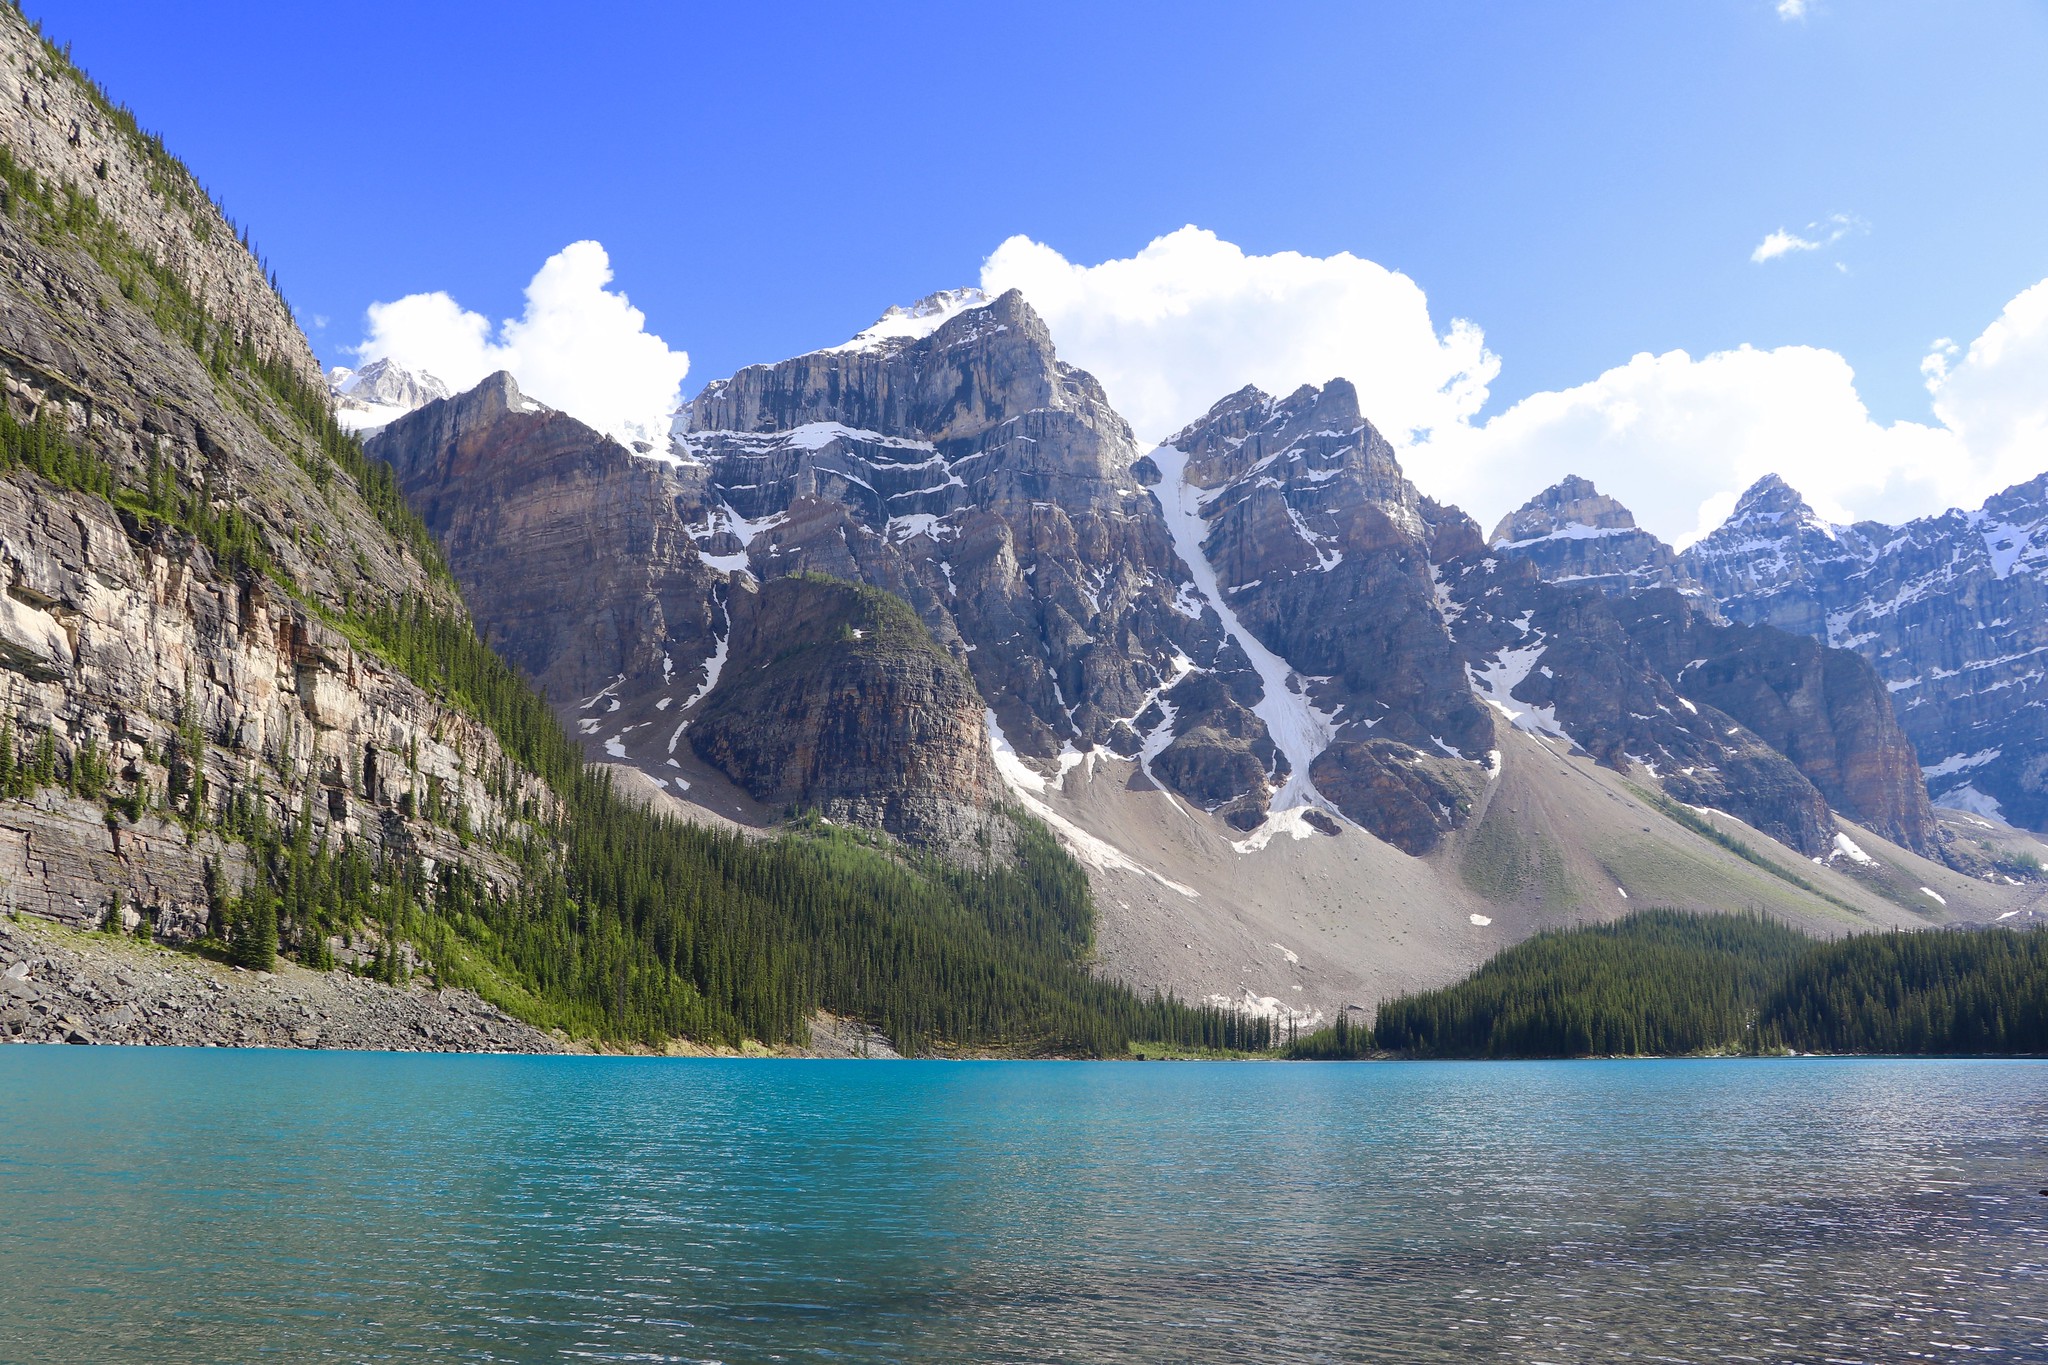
62,986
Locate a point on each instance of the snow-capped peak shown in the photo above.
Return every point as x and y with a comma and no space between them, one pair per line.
919,320
379,393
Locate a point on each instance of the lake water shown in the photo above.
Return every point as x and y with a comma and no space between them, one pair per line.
170,1205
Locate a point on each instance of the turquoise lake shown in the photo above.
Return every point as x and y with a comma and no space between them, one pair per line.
175,1205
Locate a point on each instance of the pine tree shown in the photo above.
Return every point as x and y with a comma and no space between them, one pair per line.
252,939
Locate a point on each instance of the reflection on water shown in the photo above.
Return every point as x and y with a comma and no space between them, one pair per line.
206,1206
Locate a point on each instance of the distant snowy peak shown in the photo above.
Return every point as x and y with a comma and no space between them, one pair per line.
380,393
901,325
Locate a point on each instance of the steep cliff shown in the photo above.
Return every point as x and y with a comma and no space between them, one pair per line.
1824,709
572,553
188,550
1321,555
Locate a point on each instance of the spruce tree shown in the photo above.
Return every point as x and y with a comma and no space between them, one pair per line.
252,940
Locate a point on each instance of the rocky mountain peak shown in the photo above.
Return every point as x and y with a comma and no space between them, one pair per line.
1573,533
1771,502
1570,503
1314,442
903,324
977,368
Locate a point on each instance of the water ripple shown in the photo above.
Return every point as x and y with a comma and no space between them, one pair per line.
211,1205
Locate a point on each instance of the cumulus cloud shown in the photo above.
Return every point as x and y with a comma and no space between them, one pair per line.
1791,10
578,346
1192,317
1825,234
1677,438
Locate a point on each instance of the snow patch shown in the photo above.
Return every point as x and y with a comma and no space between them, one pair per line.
1495,685
1845,847
1968,798
1957,763
901,325
1027,786
1298,729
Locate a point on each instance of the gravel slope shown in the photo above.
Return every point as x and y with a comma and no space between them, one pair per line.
60,986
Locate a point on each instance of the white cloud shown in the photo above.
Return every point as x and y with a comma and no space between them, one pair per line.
1791,10
1192,318
1677,438
1995,398
578,346
1826,233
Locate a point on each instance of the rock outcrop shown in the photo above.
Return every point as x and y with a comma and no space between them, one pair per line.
1950,610
572,552
1824,709
58,125
1321,552
849,708
1558,662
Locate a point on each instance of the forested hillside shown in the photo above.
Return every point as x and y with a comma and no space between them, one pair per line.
1667,983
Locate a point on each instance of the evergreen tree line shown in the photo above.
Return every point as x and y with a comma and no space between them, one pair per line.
652,927
1666,982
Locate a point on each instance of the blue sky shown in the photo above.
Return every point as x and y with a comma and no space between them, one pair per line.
1583,182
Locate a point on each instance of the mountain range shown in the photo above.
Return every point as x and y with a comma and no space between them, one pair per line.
878,619
1314,733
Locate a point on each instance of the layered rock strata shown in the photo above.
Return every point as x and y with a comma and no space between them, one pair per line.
852,710
156,405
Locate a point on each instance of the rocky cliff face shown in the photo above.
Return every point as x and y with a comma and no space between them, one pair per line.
572,553
851,709
175,539
1951,611
991,486
1824,709
1320,551
1559,662
1573,533
1263,615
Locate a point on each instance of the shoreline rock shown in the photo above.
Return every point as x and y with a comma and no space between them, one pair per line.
63,986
